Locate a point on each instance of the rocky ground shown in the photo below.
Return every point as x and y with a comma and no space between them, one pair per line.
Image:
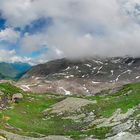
81,77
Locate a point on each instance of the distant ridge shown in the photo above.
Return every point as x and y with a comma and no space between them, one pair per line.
85,76
13,70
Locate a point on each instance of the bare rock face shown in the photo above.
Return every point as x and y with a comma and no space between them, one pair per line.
69,105
17,97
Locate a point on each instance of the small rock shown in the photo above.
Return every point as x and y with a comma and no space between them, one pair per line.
1,93
2,138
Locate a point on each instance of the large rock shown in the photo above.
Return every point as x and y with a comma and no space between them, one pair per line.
12,136
2,138
17,97
122,127
124,136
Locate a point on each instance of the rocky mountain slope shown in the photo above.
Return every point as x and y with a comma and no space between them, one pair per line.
87,76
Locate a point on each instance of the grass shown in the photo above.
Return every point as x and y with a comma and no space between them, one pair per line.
27,117
99,133
122,99
9,89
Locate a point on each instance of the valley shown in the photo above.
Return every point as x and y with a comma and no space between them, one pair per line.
53,104
47,115
69,69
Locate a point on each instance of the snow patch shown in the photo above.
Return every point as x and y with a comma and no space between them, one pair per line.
127,71
37,78
88,65
84,87
112,72
116,61
66,91
67,68
129,64
137,77
99,69
25,87
69,76
97,61
93,82
95,68
77,67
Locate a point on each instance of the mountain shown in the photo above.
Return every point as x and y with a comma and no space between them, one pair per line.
13,70
77,99
86,76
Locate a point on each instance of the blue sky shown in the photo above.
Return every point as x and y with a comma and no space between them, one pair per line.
2,23
34,27
36,31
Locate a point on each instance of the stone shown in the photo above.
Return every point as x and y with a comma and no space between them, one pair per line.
17,97
2,138
124,136
122,127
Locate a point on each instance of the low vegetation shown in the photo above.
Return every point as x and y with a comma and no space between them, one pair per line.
27,118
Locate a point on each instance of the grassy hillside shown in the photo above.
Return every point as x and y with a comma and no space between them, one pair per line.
12,70
27,117
7,70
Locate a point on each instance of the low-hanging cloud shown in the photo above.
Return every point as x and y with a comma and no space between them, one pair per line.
10,56
80,28
9,35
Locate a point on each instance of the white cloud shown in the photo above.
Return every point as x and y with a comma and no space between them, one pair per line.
33,42
81,28
9,35
11,56
17,12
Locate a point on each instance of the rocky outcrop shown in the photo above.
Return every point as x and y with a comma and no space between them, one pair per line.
2,138
12,136
124,136
114,120
68,105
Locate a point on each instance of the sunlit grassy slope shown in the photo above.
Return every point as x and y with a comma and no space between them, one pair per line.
26,117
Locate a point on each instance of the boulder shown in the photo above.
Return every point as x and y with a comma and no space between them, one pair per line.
2,138
17,97
124,136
